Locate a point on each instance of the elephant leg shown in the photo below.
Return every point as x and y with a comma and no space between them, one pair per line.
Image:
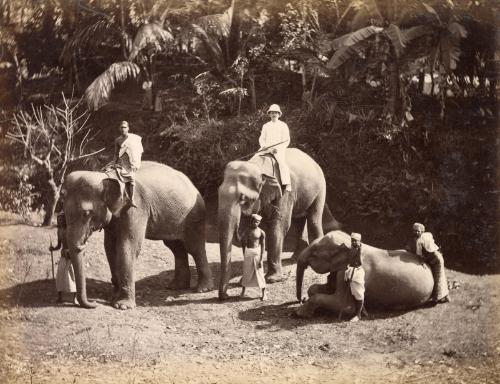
315,219
182,275
110,249
195,245
298,224
274,242
320,288
127,250
332,302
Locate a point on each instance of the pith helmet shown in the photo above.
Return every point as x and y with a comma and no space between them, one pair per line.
274,108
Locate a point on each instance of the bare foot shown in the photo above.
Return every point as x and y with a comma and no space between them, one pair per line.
354,319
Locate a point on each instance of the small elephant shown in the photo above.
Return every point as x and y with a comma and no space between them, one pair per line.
169,208
393,279
245,190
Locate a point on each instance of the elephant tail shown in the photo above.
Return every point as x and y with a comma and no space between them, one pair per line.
329,222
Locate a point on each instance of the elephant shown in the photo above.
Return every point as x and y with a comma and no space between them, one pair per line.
393,279
246,190
169,208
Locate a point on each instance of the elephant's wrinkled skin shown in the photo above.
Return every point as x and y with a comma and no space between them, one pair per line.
245,191
393,279
169,208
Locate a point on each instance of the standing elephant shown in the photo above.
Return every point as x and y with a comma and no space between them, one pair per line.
393,279
169,208
245,190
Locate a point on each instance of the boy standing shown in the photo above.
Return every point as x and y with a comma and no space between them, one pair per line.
65,278
253,271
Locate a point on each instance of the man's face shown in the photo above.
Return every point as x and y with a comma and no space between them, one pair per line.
417,233
124,130
274,115
355,243
255,223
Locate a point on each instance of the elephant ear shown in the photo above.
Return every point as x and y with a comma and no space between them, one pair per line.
271,190
114,195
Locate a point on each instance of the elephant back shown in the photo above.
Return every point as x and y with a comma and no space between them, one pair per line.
396,278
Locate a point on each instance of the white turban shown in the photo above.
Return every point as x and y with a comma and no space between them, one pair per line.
257,217
419,226
356,236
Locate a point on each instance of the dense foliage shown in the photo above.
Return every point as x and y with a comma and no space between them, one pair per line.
396,99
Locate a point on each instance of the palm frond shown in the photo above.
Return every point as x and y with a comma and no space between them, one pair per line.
213,49
342,55
150,34
97,30
457,30
410,34
98,93
355,37
368,14
396,37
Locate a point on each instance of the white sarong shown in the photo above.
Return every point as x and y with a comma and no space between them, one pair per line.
65,278
253,273
356,282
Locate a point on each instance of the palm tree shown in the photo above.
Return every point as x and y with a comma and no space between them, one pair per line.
398,35
137,55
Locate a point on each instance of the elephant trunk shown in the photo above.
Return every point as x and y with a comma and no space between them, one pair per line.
81,287
301,267
229,217
76,254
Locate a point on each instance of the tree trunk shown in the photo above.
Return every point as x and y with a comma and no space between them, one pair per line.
421,82
52,198
393,101
253,96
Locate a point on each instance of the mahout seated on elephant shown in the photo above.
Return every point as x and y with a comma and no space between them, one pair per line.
393,279
245,191
169,208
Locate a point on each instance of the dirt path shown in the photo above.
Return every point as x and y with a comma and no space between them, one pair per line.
184,337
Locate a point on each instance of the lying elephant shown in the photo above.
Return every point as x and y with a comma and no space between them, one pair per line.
393,279
169,208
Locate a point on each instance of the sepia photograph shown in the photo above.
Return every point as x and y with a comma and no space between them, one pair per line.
249,192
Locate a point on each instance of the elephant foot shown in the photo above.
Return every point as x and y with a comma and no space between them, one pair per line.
124,304
275,278
204,285
223,296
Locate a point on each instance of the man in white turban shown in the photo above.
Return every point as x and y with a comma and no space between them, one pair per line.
128,153
355,274
422,244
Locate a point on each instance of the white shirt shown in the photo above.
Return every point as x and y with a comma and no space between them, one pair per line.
132,146
273,133
426,241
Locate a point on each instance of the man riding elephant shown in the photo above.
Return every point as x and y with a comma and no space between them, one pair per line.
422,244
127,159
275,138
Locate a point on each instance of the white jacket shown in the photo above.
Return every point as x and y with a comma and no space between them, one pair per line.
273,133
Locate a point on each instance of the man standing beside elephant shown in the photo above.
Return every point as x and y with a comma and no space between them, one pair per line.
128,153
422,244
355,274
275,136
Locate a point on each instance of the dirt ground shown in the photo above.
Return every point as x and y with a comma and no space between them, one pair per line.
186,337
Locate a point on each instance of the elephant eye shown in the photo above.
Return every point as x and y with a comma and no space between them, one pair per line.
87,213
